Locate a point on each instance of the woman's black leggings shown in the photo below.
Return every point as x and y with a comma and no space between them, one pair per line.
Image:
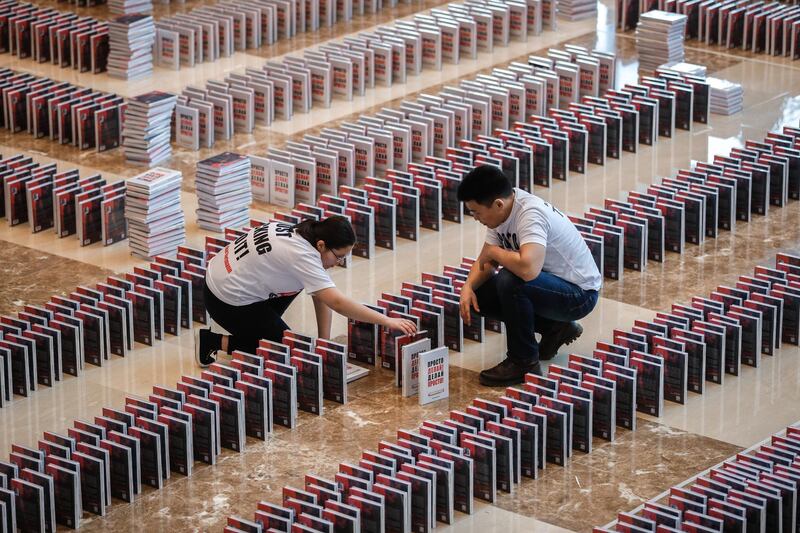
247,324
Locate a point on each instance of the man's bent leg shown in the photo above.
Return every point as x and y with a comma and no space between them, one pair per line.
559,304
516,312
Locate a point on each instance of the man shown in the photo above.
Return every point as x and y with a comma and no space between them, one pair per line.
548,277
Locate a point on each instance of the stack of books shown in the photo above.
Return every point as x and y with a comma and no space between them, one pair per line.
727,97
689,68
223,192
577,9
127,7
146,130
131,39
156,224
659,38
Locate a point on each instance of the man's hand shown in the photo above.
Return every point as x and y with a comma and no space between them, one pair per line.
467,300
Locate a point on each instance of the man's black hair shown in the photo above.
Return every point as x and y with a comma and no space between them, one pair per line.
484,184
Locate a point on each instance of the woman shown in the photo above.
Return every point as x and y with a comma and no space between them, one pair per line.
252,281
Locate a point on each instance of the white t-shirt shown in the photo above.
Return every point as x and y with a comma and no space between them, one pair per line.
532,220
267,262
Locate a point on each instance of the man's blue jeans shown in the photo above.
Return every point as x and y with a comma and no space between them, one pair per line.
542,305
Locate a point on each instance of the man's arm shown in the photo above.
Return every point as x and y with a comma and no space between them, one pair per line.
525,264
482,269
324,318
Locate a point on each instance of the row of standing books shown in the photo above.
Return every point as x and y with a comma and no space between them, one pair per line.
65,113
491,445
754,490
418,480
433,125
427,40
702,341
169,430
432,304
46,199
402,202
695,204
345,70
92,324
771,28
45,35
122,450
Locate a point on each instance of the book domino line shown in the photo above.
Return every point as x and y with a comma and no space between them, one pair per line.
45,35
65,113
47,199
756,488
91,324
707,338
769,28
344,68
695,204
596,130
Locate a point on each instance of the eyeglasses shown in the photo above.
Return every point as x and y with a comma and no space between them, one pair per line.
339,260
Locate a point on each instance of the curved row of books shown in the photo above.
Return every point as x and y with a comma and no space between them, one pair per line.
45,199
490,446
63,112
756,489
771,28
348,69
46,35
640,385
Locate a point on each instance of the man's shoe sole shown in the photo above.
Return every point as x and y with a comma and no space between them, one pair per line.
563,342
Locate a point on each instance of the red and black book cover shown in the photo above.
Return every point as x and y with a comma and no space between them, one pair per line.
4,32
334,374
451,207
198,301
407,213
90,219
86,124
283,393
18,110
107,128
17,201
362,220
385,218
23,27
99,52
362,340
309,385
114,225
560,154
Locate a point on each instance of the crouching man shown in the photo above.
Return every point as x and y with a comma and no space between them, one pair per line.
534,272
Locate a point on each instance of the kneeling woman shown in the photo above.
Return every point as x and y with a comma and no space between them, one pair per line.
252,281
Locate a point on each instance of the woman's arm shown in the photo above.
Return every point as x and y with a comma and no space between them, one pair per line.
324,318
336,300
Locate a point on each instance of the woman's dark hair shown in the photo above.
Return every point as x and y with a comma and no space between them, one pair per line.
484,185
336,232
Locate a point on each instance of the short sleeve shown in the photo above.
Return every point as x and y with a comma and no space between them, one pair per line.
308,270
533,228
492,238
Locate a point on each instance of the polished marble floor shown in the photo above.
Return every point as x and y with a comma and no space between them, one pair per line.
592,488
